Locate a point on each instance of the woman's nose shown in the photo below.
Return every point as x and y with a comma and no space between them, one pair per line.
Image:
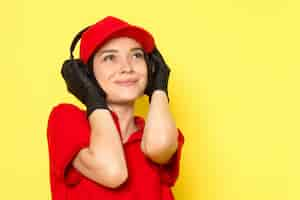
126,66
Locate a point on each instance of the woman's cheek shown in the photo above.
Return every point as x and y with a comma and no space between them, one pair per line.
104,84
143,85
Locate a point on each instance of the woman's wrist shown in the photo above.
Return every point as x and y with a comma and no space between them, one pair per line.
160,94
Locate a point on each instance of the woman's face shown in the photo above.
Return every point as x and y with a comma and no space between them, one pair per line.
120,69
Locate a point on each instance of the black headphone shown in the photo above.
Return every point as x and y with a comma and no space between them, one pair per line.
78,61
75,40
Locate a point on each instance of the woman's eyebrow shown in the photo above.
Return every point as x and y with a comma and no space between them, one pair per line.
136,48
115,50
107,51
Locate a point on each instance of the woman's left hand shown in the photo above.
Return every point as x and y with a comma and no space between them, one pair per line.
160,77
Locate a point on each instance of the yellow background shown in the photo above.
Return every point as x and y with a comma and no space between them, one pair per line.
234,90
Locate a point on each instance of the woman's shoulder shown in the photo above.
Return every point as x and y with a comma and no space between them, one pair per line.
66,110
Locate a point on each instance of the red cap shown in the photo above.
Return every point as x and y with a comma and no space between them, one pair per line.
108,28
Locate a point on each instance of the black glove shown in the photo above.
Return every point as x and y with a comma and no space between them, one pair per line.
82,84
158,80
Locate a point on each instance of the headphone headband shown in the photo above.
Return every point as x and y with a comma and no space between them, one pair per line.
75,40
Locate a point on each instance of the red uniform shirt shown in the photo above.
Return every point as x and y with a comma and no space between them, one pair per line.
68,131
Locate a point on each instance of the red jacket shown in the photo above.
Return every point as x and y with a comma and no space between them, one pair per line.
68,131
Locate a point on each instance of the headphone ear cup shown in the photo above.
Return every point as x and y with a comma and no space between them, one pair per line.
68,71
90,71
90,66
151,72
152,68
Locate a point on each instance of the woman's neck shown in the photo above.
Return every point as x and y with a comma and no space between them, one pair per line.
125,114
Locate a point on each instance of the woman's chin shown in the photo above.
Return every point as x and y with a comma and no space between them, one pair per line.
125,99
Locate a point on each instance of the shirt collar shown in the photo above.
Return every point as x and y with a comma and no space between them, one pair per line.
140,123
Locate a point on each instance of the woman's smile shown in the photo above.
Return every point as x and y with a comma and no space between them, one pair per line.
128,82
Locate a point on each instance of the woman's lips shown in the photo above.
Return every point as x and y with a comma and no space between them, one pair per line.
126,83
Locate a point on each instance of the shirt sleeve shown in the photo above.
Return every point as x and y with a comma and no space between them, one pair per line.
169,172
67,133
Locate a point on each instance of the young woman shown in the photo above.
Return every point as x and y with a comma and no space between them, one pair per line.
105,152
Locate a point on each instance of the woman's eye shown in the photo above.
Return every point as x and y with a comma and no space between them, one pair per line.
139,55
109,58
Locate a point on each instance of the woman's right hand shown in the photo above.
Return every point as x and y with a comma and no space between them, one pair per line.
83,85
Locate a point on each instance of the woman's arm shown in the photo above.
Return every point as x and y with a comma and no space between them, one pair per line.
103,161
159,141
